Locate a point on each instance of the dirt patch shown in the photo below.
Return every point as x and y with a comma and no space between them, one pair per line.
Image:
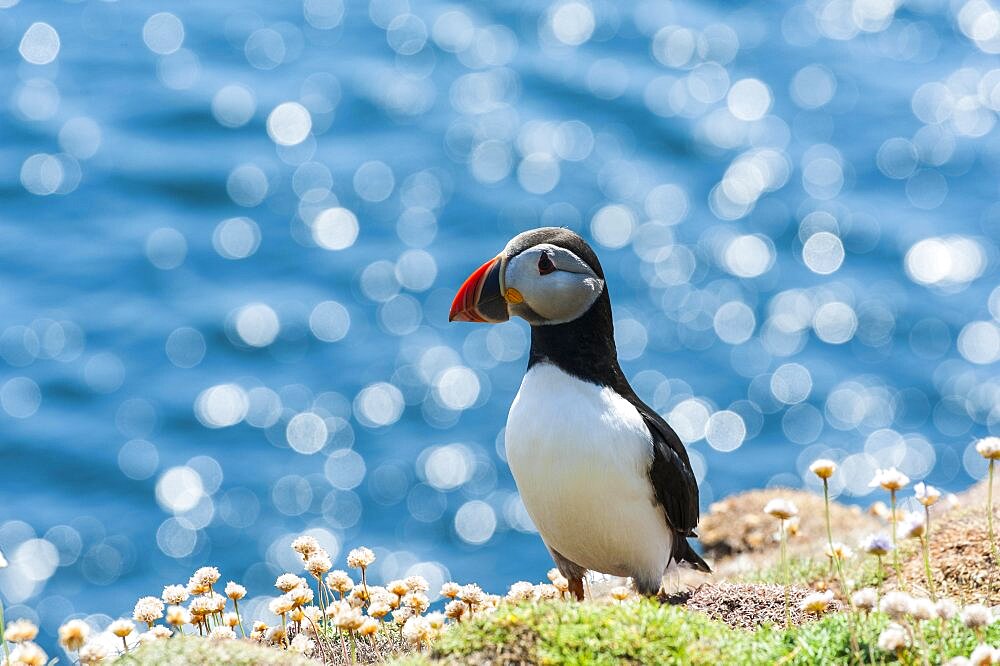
748,606
961,563
738,524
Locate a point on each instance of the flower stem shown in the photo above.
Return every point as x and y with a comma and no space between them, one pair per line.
784,566
989,526
236,605
924,546
829,538
6,650
321,599
840,567
895,550
364,584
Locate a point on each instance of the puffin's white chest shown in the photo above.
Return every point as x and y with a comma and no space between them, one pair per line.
580,455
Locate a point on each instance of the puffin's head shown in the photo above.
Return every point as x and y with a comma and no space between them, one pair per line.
545,276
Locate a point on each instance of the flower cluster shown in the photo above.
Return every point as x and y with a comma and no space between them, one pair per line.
313,614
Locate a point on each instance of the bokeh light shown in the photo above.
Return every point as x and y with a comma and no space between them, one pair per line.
230,263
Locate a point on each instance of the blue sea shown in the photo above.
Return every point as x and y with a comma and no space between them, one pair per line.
230,234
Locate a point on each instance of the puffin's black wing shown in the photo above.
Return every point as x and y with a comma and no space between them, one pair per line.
671,474
674,484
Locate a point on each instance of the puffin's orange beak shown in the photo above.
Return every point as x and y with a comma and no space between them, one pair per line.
481,296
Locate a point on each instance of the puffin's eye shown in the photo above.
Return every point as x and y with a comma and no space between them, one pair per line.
545,265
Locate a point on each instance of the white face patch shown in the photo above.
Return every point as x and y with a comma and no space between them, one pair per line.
555,284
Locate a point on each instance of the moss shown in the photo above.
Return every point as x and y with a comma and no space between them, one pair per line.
647,632
194,651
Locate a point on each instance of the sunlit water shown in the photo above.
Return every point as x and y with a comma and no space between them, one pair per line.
231,232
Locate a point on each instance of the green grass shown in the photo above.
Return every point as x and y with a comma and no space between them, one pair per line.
861,569
647,632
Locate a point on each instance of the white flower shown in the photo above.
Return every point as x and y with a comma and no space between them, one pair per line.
73,634
892,638
984,655
989,448
235,591
157,633
276,635
419,602
840,551
20,631
890,479
781,509
823,468
923,609
174,594
455,609
865,599
207,576
359,558
817,602
92,653
976,616
28,654
946,609
121,628
925,494
548,592
450,590
417,584
178,616
472,595
379,610
339,581
369,627
345,616
318,563
147,610
305,546
436,620
896,604
301,596
417,630
520,591
302,644
913,525
281,605
287,582
876,544
222,634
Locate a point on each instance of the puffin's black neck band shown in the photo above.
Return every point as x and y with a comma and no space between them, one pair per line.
584,347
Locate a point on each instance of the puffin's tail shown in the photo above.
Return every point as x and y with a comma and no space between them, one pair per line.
683,552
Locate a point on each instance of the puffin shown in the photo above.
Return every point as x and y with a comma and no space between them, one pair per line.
606,481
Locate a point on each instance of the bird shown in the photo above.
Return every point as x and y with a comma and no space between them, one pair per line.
606,481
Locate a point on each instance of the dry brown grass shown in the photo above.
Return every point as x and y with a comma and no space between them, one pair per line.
748,606
960,556
739,538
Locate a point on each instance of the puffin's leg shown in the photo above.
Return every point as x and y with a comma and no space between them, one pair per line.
572,571
648,586
576,587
